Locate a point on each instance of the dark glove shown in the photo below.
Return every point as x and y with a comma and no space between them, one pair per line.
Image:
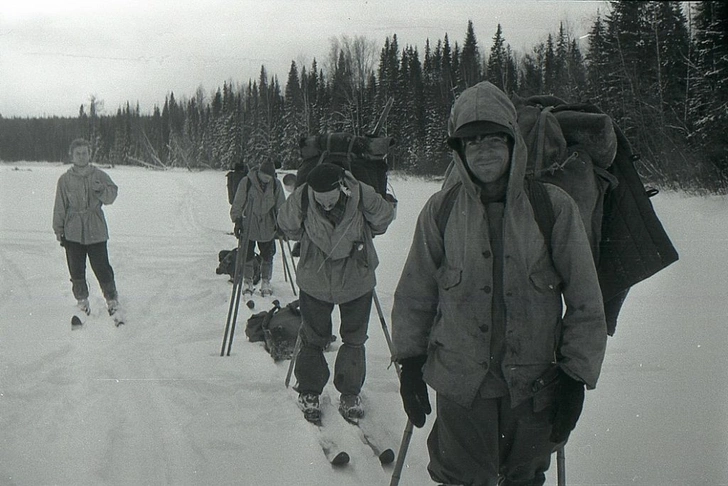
414,390
238,231
568,404
61,240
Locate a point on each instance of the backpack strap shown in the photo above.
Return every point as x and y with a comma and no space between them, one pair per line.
543,209
443,212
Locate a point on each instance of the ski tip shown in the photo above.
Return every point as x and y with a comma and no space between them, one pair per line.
340,459
386,457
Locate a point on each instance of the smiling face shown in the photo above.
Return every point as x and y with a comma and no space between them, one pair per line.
327,199
488,156
81,155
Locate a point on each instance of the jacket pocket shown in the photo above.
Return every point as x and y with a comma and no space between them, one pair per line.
448,277
546,281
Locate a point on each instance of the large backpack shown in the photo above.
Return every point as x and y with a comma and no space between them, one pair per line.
580,149
363,156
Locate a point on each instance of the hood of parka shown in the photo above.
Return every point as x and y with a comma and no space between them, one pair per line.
484,102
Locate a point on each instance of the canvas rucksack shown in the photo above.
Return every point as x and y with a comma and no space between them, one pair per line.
278,328
580,149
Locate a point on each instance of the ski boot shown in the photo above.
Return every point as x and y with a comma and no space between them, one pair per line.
112,306
248,288
83,310
350,407
310,406
265,289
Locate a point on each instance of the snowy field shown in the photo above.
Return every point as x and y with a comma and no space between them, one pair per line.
153,402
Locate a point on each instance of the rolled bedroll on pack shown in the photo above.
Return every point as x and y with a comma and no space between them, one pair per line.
580,149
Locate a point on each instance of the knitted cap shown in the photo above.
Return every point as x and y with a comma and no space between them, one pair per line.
325,177
267,167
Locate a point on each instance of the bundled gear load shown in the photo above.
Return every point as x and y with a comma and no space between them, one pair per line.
278,328
364,156
580,149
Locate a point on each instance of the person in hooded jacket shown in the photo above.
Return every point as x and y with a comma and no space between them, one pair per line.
335,218
80,226
478,314
264,192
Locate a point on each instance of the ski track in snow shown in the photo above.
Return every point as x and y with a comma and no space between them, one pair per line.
152,402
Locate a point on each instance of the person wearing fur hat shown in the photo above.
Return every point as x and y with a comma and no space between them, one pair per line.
335,217
478,314
80,227
263,191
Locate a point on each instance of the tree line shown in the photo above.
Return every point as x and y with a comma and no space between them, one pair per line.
658,68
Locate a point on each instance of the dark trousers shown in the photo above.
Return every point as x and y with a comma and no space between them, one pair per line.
98,256
266,250
475,446
312,371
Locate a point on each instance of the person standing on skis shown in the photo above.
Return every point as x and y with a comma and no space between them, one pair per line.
80,227
262,190
478,314
335,218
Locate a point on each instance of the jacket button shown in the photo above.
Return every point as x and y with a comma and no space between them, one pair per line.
484,328
487,289
486,254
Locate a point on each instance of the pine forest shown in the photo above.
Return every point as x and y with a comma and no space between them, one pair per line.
660,69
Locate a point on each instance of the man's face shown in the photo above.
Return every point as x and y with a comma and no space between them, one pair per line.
81,156
264,178
327,199
488,156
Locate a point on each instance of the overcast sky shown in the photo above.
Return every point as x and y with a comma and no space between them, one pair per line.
54,55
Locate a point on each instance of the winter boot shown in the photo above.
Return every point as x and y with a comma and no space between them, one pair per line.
248,286
350,407
265,288
83,310
112,306
310,406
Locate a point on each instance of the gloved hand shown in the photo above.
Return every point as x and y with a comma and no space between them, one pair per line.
61,239
97,186
414,390
280,235
567,407
238,228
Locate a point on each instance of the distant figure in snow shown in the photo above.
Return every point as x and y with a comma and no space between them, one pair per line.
264,192
80,226
234,177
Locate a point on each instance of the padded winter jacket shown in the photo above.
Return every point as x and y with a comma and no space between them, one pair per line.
265,205
443,302
77,213
337,263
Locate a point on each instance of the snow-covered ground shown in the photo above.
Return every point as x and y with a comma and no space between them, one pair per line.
153,402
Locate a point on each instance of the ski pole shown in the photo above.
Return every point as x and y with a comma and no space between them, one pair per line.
296,350
407,435
560,466
285,267
240,261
